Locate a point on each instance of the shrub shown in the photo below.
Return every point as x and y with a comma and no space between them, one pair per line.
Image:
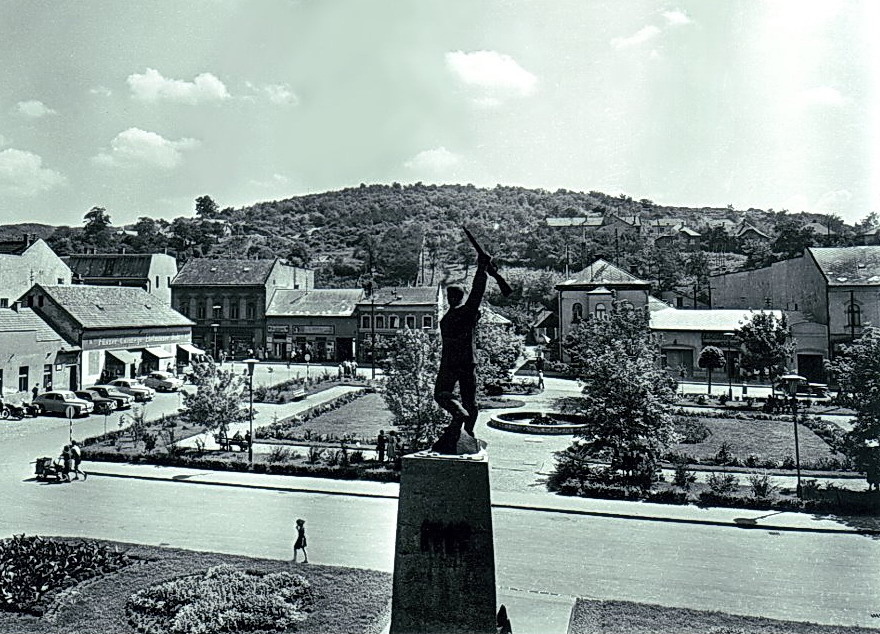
280,454
222,599
788,463
692,432
315,455
722,483
761,485
33,567
809,487
683,477
356,457
724,456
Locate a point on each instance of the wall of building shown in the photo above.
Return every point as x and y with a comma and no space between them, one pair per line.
29,351
37,265
163,268
287,276
235,335
325,338
867,298
418,313
568,298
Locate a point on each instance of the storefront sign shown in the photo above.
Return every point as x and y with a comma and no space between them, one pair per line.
135,341
314,330
277,329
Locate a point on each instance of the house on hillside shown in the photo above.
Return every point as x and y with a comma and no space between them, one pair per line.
819,229
151,272
747,232
227,299
680,237
26,262
869,238
837,288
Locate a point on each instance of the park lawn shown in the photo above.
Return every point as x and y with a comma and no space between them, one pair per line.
363,417
766,439
625,617
347,599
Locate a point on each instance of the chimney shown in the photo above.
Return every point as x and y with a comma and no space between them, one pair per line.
16,305
26,238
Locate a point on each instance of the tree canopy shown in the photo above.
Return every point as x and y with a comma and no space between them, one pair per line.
766,344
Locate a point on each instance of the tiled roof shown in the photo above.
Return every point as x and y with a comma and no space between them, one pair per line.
688,231
849,266
14,247
113,306
605,273
324,302
746,227
715,320
577,221
116,265
25,320
655,304
490,317
405,295
211,272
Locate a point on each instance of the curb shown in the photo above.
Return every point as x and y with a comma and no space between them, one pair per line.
515,507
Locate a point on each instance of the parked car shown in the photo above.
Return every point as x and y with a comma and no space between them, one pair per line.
817,392
123,401
63,402
103,404
162,381
139,391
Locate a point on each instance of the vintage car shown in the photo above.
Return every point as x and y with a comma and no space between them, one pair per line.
63,402
123,401
139,391
162,381
103,404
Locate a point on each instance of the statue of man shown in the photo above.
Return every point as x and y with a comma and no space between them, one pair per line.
458,358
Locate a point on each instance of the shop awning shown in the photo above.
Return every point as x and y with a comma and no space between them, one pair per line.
66,357
191,349
124,356
159,353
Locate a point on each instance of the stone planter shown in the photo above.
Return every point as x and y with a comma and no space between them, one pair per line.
519,422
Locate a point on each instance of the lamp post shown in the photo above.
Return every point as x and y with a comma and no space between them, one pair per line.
729,336
368,287
791,382
214,327
250,368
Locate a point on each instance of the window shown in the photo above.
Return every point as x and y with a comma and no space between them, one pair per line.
600,311
47,376
411,321
577,312
853,315
250,311
183,309
427,321
365,321
234,310
40,301
394,322
200,310
217,311
23,379
4,302
61,280
380,321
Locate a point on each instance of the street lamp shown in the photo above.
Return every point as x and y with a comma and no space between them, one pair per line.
215,326
791,383
250,368
368,287
729,336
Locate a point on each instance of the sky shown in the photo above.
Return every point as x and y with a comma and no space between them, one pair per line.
140,107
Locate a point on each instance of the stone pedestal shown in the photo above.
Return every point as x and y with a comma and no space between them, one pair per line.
444,562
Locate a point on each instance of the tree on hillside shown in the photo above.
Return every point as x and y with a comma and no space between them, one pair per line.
766,344
498,348
65,240
96,233
410,361
857,372
758,254
627,399
711,359
792,238
217,401
206,208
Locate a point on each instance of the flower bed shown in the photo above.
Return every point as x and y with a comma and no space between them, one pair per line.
537,423
291,428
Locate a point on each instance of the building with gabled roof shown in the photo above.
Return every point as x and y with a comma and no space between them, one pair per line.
26,262
384,311
151,272
746,231
227,299
320,322
122,331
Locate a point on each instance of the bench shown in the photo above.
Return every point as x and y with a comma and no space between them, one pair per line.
226,443
299,394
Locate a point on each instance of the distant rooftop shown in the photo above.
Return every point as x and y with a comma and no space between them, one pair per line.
323,302
602,273
15,247
26,320
215,272
407,295
849,266
115,265
576,221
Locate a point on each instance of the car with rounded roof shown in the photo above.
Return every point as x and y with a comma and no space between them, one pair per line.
103,404
139,391
162,381
123,401
63,402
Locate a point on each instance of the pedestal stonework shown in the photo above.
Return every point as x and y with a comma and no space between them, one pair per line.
444,562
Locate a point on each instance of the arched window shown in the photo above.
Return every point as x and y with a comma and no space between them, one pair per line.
577,312
853,315
600,311
394,322
380,321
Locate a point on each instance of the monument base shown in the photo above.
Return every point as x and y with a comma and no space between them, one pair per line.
444,563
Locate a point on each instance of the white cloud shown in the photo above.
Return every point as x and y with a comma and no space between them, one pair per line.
152,86
834,201
491,71
436,160
101,90
33,109
676,17
139,147
639,37
822,96
279,94
22,174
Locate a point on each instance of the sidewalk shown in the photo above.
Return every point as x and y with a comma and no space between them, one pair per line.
534,502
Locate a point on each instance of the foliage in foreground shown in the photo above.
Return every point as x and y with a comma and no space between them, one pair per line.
222,599
33,567
217,401
766,344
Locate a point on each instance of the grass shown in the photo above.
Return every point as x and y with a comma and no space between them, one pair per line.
363,418
766,439
347,599
624,617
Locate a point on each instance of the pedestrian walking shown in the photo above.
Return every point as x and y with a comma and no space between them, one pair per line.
76,455
502,621
539,367
35,392
300,543
392,446
381,443
354,369
222,357
66,463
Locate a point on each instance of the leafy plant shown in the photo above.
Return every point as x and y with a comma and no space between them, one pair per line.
315,454
722,483
683,477
279,454
761,485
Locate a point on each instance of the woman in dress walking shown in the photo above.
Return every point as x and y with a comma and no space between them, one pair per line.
300,543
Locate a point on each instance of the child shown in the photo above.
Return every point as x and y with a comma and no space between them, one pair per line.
300,541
